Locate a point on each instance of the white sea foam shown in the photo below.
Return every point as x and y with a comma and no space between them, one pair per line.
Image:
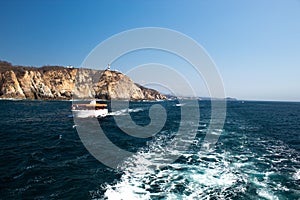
145,177
267,195
125,111
296,176
11,99
215,174
127,189
179,104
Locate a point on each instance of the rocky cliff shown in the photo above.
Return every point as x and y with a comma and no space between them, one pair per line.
54,82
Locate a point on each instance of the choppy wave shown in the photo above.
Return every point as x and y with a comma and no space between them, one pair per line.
256,157
236,173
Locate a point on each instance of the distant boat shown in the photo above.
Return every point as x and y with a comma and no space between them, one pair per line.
92,109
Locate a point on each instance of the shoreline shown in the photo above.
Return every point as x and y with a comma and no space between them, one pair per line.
157,100
16,99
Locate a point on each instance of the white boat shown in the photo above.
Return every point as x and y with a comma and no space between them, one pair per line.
92,109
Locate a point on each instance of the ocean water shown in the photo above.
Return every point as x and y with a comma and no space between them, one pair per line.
257,155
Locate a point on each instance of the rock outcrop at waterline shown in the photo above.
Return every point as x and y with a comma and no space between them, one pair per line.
55,82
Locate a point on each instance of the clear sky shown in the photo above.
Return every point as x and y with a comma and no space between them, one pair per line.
255,44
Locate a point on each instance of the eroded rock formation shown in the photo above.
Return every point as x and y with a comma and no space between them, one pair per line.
54,82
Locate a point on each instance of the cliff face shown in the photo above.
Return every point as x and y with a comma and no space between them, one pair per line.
64,83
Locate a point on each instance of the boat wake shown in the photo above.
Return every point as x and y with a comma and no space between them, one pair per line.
191,176
220,174
125,111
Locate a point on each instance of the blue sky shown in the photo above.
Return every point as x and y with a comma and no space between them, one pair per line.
255,44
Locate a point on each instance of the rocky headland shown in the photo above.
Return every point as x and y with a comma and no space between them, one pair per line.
56,82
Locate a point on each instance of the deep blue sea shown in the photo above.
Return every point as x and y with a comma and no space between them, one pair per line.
257,155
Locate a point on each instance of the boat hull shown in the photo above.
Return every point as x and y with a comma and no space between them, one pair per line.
90,113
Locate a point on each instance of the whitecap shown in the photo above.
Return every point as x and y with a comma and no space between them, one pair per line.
296,176
267,195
